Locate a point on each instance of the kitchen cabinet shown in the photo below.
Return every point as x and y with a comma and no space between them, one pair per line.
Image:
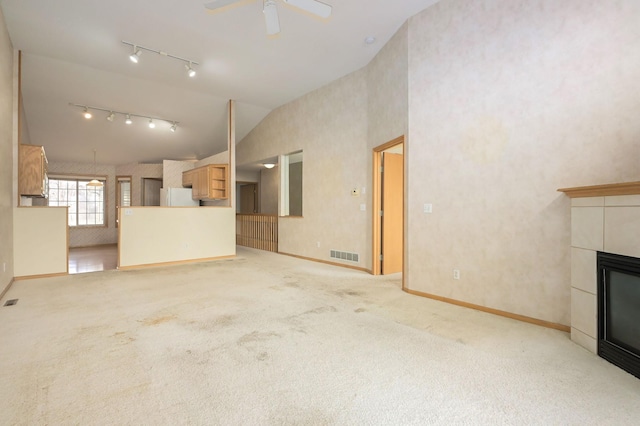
210,182
32,174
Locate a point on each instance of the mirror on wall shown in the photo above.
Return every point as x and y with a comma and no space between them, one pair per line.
123,193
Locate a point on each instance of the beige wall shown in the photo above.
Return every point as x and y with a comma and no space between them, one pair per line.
7,154
330,126
508,101
40,241
155,235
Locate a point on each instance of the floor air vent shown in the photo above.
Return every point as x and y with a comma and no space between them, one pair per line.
344,255
11,302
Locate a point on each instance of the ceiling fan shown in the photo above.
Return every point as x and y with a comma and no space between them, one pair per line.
314,7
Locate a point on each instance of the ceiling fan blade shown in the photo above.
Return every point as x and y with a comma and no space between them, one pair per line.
271,17
217,4
312,6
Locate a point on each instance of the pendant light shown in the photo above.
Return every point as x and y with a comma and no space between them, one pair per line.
94,182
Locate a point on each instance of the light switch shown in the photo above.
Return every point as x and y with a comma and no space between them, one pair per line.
128,212
428,208
363,207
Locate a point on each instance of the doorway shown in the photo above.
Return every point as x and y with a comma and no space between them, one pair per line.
248,198
151,191
388,207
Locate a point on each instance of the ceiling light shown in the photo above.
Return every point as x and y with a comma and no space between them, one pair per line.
111,116
128,119
190,71
173,127
135,56
152,125
112,113
87,114
370,40
269,165
94,181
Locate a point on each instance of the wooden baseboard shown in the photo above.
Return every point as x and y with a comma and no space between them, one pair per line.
174,263
33,277
326,262
6,289
506,314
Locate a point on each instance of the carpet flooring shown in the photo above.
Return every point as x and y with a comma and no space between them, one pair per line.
266,339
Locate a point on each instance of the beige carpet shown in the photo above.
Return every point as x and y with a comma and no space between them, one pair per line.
265,339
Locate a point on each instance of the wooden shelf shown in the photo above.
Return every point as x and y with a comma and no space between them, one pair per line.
627,188
210,182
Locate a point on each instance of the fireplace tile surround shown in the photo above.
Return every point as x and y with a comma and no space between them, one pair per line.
599,222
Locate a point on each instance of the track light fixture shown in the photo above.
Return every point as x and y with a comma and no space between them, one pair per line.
112,114
137,50
135,56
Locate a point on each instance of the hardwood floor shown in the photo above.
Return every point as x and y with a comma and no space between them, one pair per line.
92,259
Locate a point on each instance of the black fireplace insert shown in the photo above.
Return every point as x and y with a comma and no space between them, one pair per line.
619,311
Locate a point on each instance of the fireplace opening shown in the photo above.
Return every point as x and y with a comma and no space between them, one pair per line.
619,311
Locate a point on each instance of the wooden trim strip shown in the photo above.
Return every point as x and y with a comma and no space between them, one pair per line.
628,188
498,312
326,262
173,263
32,277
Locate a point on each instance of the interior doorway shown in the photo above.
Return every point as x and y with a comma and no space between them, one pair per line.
151,191
248,198
388,207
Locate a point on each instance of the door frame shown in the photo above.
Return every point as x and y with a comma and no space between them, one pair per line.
377,204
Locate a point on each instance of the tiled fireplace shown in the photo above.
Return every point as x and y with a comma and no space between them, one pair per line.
604,218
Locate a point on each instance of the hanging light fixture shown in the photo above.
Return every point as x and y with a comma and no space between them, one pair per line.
94,182
111,116
173,127
152,125
135,56
87,113
190,71
128,119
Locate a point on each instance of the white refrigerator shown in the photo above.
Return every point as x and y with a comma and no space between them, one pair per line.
171,197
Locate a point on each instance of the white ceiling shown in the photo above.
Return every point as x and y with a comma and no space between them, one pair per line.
73,53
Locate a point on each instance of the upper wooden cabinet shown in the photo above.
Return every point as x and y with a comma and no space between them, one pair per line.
210,182
32,174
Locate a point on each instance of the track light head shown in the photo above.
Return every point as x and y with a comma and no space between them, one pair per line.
128,119
173,127
135,56
152,125
190,71
111,116
87,113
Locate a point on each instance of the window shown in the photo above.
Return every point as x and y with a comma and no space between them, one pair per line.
86,203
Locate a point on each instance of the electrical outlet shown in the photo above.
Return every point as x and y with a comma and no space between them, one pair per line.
456,274
363,207
318,244
428,208
355,192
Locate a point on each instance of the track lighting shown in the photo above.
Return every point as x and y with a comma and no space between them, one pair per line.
173,125
190,71
137,50
135,56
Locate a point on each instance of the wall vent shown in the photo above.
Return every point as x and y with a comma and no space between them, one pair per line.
345,255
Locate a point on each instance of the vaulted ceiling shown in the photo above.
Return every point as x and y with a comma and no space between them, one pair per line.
72,53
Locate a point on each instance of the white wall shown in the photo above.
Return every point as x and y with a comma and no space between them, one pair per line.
7,154
157,235
40,241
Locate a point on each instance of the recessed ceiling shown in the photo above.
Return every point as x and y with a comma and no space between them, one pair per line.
73,53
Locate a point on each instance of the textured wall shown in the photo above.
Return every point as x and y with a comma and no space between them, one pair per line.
6,155
172,172
139,171
508,101
330,126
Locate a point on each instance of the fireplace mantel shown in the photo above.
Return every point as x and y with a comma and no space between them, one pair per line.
628,188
